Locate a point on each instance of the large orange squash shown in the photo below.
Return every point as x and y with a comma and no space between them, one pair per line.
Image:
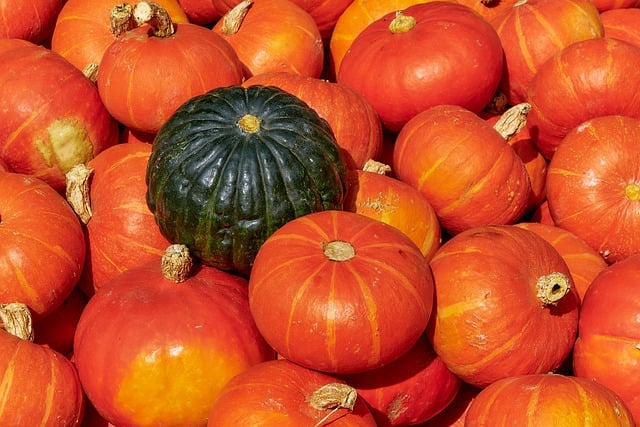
464,168
42,247
607,346
547,400
352,118
505,304
82,32
32,20
340,292
425,55
622,24
156,344
593,186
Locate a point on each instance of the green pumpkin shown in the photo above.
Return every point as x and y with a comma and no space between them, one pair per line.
233,165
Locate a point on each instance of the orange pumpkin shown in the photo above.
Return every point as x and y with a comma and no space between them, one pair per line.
607,346
82,32
547,400
32,20
584,262
340,292
593,186
604,5
149,71
532,31
505,304
42,246
354,122
463,167
622,24
273,35
372,193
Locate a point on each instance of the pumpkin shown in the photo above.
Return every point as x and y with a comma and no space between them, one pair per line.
56,330
200,12
622,24
559,90
273,35
120,230
46,129
361,286
42,246
31,20
607,346
372,193
489,9
410,390
532,31
233,165
438,152
4,167
149,71
40,385
520,137
425,55
279,393
604,5
454,414
352,118
584,262
547,400
82,32
355,18
158,342
505,304
593,187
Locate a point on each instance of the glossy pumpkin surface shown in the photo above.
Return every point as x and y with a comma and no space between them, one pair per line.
607,346
595,180
505,304
361,286
32,20
428,54
547,400
463,167
233,165
42,247
152,351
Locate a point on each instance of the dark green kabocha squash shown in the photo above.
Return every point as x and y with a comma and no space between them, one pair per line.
231,166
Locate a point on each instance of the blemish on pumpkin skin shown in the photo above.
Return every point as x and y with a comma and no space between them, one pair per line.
68,145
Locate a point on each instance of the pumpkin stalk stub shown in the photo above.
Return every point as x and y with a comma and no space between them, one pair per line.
16,320
232,20
249,123
552,288
124,18
402,23
77,191
333,396
513,120
338,250
176,263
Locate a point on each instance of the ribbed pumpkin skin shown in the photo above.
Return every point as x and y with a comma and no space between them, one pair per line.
222,191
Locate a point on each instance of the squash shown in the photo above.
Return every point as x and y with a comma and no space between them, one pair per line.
607,346
622,24
505,304
156,344
547,400
233,165
32,20
340,292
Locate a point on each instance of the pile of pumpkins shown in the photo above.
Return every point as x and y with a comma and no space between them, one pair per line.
323,212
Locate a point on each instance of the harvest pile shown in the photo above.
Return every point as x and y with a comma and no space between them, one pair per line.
320,213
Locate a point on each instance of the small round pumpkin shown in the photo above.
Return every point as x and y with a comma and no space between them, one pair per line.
233,165
607,346
32,20
463,167
340,292
622,24
547,400
505,304
595,179
157,343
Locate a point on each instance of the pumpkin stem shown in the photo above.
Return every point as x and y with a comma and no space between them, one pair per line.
91,72
632,191
156,16
176,263
338,250
249,123
16,319
513,120
552,288
402,23
333,396
376,167
232,20
120,19
77,191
